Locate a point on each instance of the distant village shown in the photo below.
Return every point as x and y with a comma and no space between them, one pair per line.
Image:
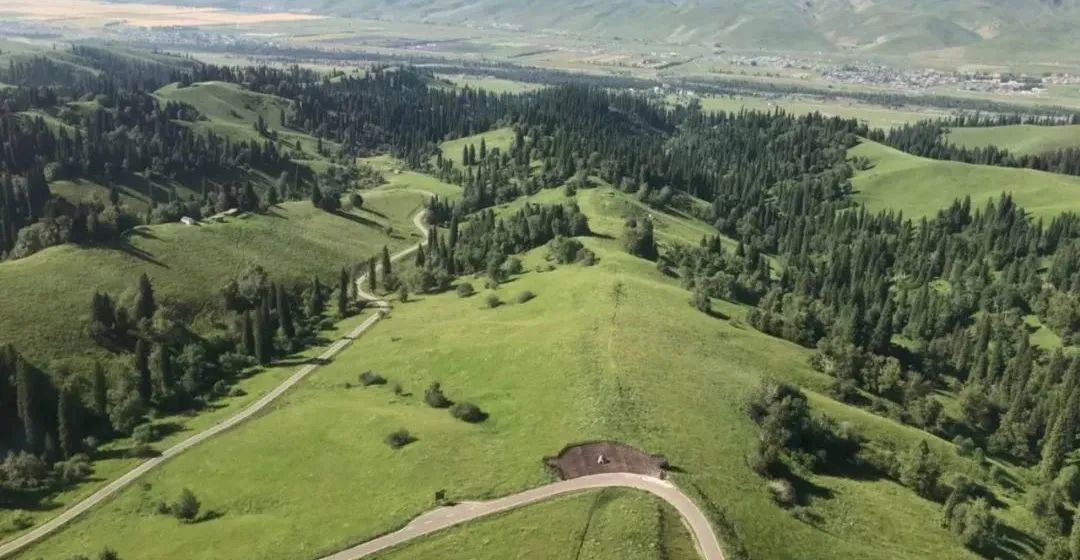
918,80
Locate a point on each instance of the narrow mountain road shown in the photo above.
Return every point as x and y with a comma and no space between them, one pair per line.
13,546
707,543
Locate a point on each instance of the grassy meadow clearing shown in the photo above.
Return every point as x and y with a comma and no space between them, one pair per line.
921,186
1019,138
189,264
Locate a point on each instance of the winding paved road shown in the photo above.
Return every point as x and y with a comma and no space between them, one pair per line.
707,543
11,547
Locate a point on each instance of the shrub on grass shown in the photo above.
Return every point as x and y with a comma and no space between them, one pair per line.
465,290
468,412
435,398
186,507
399,439
783,493
493,301
144,434
512,266
369,378
525,296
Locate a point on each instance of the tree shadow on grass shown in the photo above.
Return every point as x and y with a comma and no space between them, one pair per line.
1014,544
209,515
125,247
718,315
358,219
373,211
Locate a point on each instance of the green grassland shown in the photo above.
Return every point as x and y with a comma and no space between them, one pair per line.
501,138
615,524
45,294
112,459
489,83
875,116
232,111
612,351
399,178
920,186
1018,139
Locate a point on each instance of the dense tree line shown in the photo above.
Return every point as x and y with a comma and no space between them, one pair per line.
927,139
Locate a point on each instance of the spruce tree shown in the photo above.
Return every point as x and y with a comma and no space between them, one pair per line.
145,305
67,423
386,264
26,395
142,367
343,294
285,318
1058,439
315,302
372,279
248,334
100,392
262,347
163,370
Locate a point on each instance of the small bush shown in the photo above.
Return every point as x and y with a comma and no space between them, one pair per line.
525,296
398,389
369,378
493,301
512,266
435,398
144,434
783,493
187,506
468,412
465,290
237,392
399,439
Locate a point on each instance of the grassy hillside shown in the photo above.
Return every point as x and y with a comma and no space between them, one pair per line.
47,294
614,523
920,187
612,351
232,111
501,138
1019,139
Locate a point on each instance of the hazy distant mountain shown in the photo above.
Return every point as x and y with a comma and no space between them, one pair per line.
1034,26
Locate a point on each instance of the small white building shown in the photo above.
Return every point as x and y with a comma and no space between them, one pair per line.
187,221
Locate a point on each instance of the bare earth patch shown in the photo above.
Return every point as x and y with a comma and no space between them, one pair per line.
605,457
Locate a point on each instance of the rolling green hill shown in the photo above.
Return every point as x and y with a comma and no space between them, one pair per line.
188,265
611,351
232,111
920,186
1019,139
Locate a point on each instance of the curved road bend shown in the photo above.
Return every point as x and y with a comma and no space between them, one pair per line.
436,520
68,515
